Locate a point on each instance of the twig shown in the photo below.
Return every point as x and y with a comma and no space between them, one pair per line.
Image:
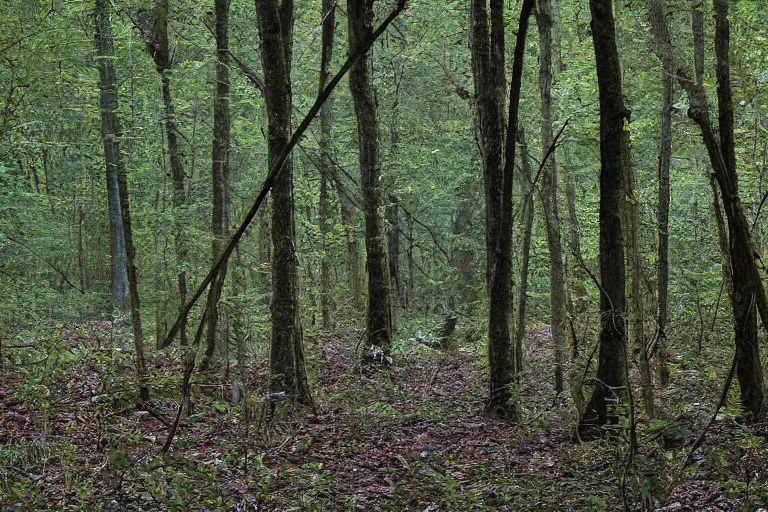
723,397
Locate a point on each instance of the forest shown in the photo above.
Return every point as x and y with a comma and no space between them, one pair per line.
425,255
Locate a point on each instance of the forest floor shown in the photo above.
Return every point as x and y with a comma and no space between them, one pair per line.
408,437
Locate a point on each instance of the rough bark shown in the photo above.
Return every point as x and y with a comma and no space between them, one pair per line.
748,293
378,317
220,169
110,133
557,297
328,13
286,363
610,382
498,155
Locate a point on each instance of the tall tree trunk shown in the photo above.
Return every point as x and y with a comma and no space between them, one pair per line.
612,355
328,13
748,294
158,47
528,214
220,170
559,328
379,319
102,11
487,49
634,261
105,52
286,363
663,49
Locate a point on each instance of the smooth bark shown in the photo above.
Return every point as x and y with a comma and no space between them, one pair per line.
105,52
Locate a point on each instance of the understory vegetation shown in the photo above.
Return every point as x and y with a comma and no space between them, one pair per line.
426,255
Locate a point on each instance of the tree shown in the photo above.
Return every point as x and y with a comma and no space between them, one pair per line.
665,52
155,32
748,294
328,13
558,314
112,132
611,369
220,166
105,52
286,362
487,49
379,315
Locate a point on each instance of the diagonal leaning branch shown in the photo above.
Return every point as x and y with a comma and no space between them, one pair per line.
278,167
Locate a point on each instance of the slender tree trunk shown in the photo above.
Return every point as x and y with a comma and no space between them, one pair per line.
379,318
612,355
634,261
392,213
665,52
105,52
328,13
528,215
125,213
286,365
158,47
220,169
557,297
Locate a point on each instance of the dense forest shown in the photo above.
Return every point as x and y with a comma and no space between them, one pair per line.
383,255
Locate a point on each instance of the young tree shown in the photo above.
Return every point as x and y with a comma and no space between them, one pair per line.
154,26
487,49
105,52
328,13
286,363
612,353
379,315
665,52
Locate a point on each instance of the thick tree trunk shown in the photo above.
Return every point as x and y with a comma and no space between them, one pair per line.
378,319
557,297
220,170
110,132
610,382
328,13
286,364
487,49
748,294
